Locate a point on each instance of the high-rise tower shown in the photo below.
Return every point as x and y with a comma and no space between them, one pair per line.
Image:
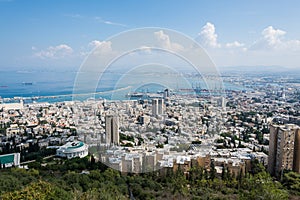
157,107
284,148
112,129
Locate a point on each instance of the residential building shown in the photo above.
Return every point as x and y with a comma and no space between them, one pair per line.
284,150
112,129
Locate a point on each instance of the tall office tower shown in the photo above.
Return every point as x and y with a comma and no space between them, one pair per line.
157,107
166,93
221,102
112,130
154,107
284,149
160,107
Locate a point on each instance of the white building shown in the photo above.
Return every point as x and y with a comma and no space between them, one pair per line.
12,106
221,102
72,150
9,160
157,107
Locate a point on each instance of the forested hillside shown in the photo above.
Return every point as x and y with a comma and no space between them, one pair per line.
85,179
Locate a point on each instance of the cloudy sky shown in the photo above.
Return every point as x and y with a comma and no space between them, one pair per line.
59,34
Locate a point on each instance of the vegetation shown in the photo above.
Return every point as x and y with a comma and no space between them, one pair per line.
291,181
196,142
126,137
65,179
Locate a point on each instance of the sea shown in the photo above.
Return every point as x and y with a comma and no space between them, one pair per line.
56,86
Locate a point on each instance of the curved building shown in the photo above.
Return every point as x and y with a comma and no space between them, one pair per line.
72,150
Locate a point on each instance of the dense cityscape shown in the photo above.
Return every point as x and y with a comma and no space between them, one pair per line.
227,134
179,100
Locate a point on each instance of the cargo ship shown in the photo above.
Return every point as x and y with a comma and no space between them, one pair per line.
27,83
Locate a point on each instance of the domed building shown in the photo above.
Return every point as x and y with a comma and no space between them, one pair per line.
72,150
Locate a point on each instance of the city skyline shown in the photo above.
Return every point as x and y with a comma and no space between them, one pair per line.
149,99
44,35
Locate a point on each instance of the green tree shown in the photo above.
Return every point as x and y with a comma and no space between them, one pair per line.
291,180
39,190
262,186
212,171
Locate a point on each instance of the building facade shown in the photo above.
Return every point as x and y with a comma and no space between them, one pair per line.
284,149
10,160
72,150
112,130
157,107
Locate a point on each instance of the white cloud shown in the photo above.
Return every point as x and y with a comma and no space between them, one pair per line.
143,50
234,44
95,43
293,45
208,36
273,36
96,47
99,19
114,23
101,47
209,39
54,52
165,41
273,39
146,49
271,48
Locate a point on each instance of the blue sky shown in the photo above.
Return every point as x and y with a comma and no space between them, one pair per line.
57,34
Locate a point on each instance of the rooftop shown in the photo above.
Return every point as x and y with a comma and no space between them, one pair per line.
5,159
72,145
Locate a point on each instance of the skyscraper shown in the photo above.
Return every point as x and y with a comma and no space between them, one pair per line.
166,93
154,107
221,102
112,129
284,149
157,107
160,106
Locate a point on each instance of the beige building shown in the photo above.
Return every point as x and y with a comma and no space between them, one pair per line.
112,130
284,150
